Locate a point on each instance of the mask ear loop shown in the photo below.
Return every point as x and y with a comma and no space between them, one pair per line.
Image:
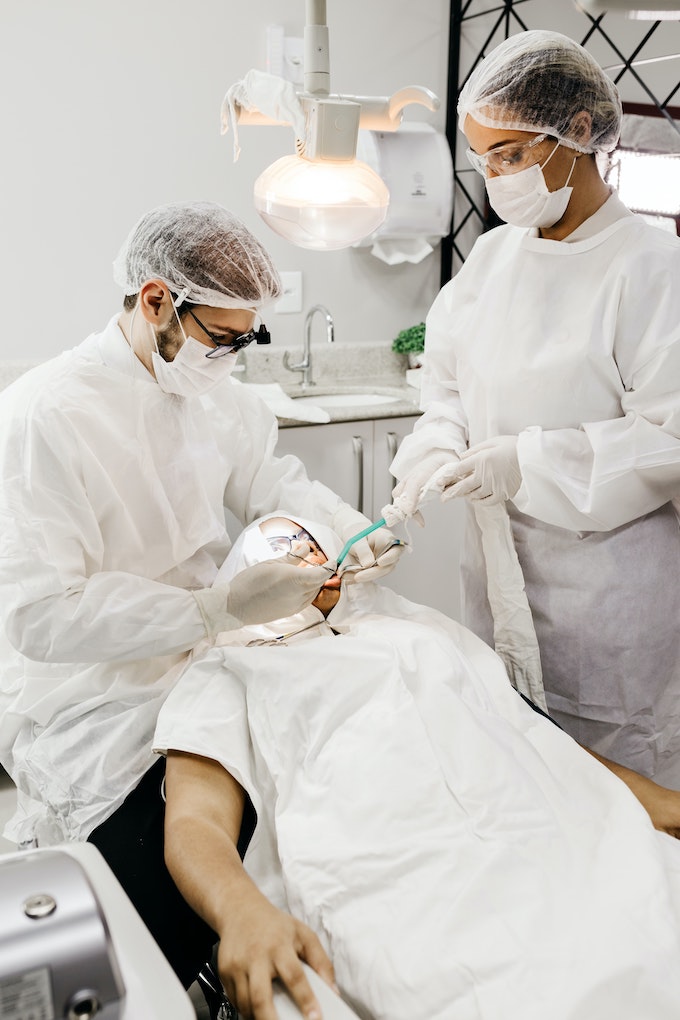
133,352
566,183
544,165
136,413
132,329
176,302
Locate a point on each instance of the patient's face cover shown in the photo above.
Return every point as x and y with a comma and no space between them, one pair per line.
252,546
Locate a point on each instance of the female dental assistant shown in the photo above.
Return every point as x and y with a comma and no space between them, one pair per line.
552,382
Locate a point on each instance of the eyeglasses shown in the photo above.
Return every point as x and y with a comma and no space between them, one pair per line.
229,341
508,159
283,544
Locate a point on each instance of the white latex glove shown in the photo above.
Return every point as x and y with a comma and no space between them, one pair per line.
266,591
488,471
371,557
411,490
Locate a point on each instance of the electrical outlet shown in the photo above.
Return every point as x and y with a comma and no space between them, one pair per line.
292,294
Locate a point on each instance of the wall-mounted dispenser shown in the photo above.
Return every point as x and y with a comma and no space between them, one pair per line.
415,164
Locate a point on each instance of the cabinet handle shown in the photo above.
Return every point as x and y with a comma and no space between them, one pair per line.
392,446
358,448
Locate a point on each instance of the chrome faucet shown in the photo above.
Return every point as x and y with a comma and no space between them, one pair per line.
305,366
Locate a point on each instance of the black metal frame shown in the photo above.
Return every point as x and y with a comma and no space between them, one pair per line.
509,17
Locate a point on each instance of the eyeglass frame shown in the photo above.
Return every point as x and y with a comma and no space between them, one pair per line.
241,340
300,536
481,163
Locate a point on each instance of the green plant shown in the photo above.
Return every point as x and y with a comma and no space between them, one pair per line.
410,341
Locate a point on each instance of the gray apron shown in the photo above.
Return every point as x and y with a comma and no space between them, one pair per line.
606,611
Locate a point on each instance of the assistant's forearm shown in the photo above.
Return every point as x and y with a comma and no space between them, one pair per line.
597,477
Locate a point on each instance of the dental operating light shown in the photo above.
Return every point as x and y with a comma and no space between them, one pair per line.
322,197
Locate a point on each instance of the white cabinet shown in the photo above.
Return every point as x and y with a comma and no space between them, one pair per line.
353,459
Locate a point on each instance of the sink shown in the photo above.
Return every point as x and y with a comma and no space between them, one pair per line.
347,399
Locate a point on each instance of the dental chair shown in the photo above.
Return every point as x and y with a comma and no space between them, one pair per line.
220,1008
72,946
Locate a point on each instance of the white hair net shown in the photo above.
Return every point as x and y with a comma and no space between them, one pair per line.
539,81
203,253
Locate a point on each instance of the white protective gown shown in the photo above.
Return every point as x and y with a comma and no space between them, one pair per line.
111,510
460,857
574,346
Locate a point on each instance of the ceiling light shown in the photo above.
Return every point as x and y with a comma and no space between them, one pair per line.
322,197
321,204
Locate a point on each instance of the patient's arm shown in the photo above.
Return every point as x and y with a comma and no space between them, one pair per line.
662,804
257,942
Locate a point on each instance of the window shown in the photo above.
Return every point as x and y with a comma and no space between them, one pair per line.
645,167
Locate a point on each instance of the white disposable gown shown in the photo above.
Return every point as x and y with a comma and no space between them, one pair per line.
111,511
574,346
460,857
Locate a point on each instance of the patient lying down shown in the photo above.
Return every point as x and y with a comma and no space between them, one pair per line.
451,851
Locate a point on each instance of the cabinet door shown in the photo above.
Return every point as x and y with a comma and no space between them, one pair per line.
429,573
339,455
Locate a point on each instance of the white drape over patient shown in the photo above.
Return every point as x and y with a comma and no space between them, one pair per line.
459,855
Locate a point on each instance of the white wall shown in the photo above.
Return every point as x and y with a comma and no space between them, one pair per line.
110,109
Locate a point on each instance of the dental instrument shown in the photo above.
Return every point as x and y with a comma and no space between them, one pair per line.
360,534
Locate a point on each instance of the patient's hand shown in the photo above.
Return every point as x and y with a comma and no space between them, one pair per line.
258,943
264,944
661,804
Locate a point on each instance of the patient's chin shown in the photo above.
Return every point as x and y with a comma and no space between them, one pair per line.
326,600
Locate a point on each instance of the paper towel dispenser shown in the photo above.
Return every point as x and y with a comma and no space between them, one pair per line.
415,163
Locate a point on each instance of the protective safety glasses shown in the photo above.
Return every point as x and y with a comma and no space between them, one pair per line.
283,544
229,341
507,159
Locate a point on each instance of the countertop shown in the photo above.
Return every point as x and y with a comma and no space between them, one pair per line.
338,369
403,404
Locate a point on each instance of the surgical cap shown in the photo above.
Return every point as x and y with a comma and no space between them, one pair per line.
203,253
539,81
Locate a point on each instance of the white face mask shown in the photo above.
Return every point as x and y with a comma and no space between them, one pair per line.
523,199
190,373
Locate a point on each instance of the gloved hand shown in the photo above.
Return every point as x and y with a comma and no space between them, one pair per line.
409,492
488,471
266,591
371,557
